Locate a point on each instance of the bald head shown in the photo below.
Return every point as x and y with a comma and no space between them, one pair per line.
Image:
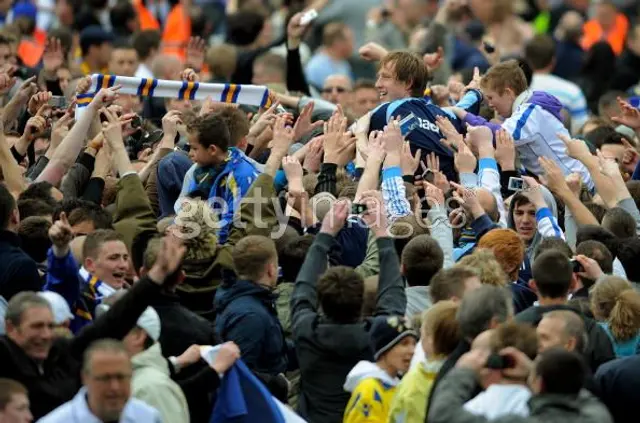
166,66
483,341
488,203
337,89
570,26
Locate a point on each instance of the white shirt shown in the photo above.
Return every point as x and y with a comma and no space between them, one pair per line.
143,71
500,400
569,94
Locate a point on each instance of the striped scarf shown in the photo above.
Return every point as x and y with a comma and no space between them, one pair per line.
251,95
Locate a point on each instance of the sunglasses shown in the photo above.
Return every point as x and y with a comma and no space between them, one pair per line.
329,90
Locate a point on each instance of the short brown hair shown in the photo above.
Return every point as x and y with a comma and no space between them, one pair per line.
614,300
94,241
421,258
449,283
364,84
440,322
409,69
222,60
521,336
505,75
236,121
540,51
483,261
251,254
340,293
333,32
211,129
273,63
9,388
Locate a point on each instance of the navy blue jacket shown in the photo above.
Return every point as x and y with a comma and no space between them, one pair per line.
18,271
426,136
246,314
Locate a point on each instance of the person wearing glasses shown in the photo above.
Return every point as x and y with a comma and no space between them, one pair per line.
337,89
106,392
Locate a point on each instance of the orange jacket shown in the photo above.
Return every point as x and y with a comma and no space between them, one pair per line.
177,31
30,50
616,37
145,17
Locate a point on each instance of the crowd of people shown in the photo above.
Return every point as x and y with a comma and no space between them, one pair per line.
431,215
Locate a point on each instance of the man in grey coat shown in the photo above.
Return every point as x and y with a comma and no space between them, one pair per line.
555,378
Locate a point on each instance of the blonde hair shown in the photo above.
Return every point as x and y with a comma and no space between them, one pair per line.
440,323
505,75
614,300
485,262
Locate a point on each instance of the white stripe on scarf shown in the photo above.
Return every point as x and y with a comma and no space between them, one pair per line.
251,95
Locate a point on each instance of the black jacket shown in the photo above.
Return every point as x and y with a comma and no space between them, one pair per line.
57,380
181,328
18,271
327,351
619,387
626,74
599,349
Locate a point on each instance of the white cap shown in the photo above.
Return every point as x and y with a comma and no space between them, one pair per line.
59,306
149,321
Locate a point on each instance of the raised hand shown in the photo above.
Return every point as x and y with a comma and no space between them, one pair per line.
464,160
376,214
609,167
576,149
468,200
435,196
313,158
83,85
452,138
533,192
53,56
112,129
433,61
505,150
293,171
372,52
475,81
630,115
61,129
295,31
170,123
339,145
375,150
169,258
303,125
7,80
554,178
264,121
37,101
195,53
189,75
392,136
574,183
630,158
336,218
105,97
409,162
282,136
27,90
35,125
61,233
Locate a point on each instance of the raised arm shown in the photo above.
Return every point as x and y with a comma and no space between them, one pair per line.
391,298
73,143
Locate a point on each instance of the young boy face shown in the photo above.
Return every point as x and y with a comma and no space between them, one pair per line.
501,103
199,154
524,218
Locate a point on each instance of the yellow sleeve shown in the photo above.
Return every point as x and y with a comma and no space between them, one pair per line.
369,403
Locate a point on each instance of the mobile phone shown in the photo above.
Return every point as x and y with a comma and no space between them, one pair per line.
517,184
308,17
280,110
58,101
576,266
500,362
358,208
408,124
136,122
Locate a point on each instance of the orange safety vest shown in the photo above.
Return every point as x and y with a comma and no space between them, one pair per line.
145,17
616,37
177,31
30,50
